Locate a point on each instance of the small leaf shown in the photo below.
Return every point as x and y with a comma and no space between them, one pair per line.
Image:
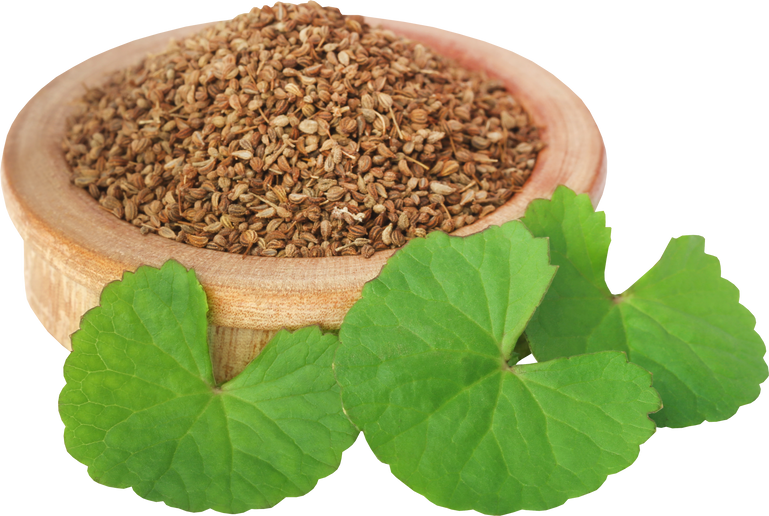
681,320
141,408
424,375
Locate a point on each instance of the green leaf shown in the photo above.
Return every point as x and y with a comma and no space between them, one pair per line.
141,408
681,320
424,375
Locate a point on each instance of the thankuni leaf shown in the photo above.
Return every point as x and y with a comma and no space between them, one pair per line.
423,365
141,408
681,320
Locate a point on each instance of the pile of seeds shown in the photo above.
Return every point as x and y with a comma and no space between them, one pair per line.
296,131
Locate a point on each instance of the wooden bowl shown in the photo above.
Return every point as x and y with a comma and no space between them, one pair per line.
72,248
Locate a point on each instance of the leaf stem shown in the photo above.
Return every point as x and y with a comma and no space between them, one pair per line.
518,352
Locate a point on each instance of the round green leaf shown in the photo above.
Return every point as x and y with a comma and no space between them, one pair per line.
141,408
423,365
682,321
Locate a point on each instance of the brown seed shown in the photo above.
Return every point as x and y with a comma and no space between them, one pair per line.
248,237
197,241
523,148
166,233
131,210
294,90
418,116
403,221
403,166
307,110
236,210
325,229
347,125
385,101
265,214
364,163
369,115
441,189
273,235
398,239
387,234
243,155
283,213
480,142
455,126
308,126
335,193
449,168
355,232
467,197
305,136
384,151
213,228
309,237
375,233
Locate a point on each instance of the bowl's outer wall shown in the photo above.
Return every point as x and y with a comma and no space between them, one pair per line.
73,248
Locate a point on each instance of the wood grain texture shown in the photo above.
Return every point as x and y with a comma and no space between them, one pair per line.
73,248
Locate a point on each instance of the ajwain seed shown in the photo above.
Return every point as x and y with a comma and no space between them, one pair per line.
295,131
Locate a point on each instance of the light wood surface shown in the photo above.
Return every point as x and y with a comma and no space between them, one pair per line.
73,248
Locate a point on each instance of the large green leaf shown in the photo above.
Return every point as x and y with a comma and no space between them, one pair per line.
681,320
141,408
423,365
